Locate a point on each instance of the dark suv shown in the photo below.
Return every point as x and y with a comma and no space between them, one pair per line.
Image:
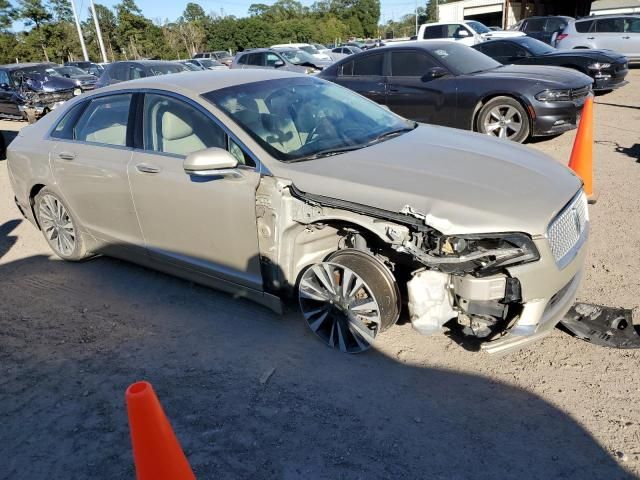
543,28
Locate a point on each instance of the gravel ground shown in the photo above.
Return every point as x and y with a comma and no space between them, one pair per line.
255,395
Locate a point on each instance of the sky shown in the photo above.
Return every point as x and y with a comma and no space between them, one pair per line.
161,9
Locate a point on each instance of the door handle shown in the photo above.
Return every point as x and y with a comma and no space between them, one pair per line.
146,168
626,37
591,38
67,156
394,90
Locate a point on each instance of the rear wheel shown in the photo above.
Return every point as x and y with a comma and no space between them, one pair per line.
60,229
349,299
504,117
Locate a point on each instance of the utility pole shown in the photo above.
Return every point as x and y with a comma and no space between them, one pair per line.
75,15
416,17
99,33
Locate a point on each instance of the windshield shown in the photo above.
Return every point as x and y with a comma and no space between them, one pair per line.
222,54
309,49
209,63
536,47
71,71
304,118
478,27
297,57
463,60
167,68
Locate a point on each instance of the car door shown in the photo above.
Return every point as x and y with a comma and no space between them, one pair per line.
460,33
8,105
411,93
365,75
206,224
631,37
609,33
254,60
89,163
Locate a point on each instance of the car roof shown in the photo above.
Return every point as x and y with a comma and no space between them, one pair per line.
18,66
197,83
611,15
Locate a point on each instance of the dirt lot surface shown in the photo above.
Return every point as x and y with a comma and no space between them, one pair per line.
255,395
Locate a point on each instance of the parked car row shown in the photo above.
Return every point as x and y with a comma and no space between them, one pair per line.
620,33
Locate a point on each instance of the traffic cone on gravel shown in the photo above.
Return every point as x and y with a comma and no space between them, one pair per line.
581,161
156,450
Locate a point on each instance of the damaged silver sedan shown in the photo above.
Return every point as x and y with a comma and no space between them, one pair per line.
275,186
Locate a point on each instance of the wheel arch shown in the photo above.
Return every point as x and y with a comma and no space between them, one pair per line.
517,97
33,192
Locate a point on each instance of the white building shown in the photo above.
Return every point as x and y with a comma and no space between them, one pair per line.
608,7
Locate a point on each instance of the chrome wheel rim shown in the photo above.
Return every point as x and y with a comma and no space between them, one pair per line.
57,225
503,121
339,307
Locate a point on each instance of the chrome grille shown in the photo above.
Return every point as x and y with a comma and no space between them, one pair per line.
567,230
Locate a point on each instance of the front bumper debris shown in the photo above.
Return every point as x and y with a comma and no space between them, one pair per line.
603,326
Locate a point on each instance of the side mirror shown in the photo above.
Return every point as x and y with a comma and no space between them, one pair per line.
462,34
210,162
4,86
433,73
278,63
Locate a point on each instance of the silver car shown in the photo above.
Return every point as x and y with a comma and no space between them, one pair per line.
273,185
620,33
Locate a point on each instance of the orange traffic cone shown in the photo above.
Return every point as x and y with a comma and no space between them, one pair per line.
581,160
156,450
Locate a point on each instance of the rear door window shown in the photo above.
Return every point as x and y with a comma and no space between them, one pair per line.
105,121
255,59
119,72
4,78
610,25
584,27
369,66
435,31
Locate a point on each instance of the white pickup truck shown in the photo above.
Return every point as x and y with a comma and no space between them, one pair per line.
466,32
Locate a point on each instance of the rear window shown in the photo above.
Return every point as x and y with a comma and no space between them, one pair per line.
584,27
371,65
534,25
555,24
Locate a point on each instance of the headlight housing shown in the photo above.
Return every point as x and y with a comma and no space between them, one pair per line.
486,253
554,95
77,91
598,66
310,70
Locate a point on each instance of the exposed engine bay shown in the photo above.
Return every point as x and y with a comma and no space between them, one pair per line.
441,278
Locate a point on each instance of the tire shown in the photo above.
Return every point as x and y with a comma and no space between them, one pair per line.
348,299
504,117
61,230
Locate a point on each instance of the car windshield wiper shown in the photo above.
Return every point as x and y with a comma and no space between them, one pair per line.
328,153
335,151
392,133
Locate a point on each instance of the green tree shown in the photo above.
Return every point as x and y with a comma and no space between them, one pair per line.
194,13
62,11
6,15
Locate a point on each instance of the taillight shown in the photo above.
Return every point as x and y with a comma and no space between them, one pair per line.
561,36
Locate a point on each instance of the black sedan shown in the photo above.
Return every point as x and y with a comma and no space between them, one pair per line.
607,68
445,83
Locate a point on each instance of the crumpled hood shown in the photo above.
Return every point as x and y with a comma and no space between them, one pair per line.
552,76
48,83
463,182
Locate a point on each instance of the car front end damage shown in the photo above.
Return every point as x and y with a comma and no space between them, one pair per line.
40,94
505,289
